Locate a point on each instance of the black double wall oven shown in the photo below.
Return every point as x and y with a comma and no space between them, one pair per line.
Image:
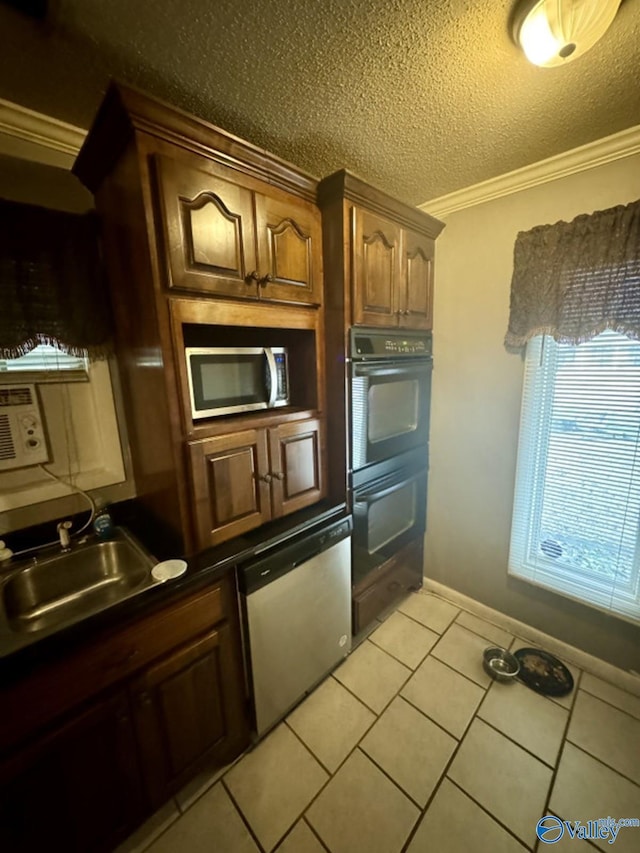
390,388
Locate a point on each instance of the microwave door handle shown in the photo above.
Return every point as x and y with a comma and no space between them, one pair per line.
370,497
272,377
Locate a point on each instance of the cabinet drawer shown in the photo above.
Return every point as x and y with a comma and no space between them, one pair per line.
396,578
37,700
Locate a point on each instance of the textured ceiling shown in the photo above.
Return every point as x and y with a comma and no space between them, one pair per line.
420,97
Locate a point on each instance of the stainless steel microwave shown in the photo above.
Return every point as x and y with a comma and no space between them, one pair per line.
229,380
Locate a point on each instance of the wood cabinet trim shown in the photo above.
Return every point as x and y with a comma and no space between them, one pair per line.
344,184
126,110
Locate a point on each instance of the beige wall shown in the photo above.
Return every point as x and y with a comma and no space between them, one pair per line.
476,408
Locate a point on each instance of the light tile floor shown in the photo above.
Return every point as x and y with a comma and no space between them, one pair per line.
409,746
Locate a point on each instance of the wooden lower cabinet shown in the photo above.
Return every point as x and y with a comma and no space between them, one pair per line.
83,780
76,789
243,479
184,711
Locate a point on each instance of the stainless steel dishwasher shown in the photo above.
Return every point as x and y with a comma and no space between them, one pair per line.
297,615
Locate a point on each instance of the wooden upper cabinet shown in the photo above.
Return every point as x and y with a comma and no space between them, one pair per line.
379,258
377,268
209,230
392,274
416,294
225,237
289,250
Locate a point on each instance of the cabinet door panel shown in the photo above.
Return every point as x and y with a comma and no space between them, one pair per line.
230,492
416,307
376,269
180,711
208,230
77,789
296,465
289,250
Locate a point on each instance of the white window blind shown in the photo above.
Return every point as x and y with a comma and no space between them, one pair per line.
44,363
577,500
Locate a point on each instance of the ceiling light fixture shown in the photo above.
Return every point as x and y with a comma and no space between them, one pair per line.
553,32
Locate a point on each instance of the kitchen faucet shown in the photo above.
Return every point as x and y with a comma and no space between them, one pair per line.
64,535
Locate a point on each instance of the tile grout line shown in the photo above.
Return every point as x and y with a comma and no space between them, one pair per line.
492,816
245,820
429,627
563,743
516,743
454,754
315,834
603,763
606,702
435,722
442,776
395,657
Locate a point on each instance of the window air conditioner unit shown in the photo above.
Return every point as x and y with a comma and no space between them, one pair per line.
22,435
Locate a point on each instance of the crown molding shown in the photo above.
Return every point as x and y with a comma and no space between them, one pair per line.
34,136
610,148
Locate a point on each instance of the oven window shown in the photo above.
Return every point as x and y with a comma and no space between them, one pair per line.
393,409
391,515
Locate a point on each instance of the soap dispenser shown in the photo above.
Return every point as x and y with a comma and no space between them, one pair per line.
103,524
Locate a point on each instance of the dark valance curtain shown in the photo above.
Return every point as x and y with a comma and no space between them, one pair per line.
52,287
573,280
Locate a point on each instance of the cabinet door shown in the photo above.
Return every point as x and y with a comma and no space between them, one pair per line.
209,229
78,788
377,266
416,302
296,465
289,250
230,485
188,708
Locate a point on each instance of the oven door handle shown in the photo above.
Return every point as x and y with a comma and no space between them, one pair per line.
368,368
370,497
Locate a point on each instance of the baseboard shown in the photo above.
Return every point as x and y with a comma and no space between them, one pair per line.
606,671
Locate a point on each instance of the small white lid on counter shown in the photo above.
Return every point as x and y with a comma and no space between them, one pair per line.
168,570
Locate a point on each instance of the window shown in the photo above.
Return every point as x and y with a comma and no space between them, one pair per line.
44,363
577,500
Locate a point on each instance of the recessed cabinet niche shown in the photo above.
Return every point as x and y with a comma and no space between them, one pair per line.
227,235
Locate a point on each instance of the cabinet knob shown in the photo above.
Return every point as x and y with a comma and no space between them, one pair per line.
266,478
279,475
252,277
264,281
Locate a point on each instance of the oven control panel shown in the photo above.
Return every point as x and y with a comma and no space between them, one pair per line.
414,347
379,343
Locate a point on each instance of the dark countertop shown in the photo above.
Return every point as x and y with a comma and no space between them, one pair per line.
203,570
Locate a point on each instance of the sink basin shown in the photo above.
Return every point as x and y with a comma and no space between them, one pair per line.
63,588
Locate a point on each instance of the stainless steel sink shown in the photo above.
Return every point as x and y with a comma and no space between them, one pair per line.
59,589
